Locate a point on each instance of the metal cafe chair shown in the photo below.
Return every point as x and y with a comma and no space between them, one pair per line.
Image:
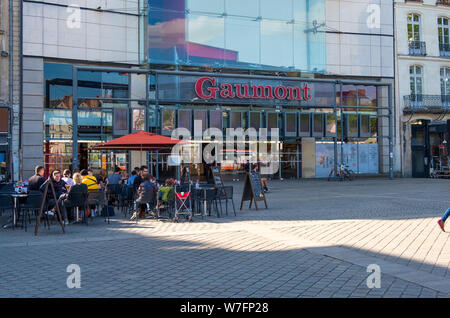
98,198
168,206
32,204
210,196
229,196
113,191
7,204
126,200
79,203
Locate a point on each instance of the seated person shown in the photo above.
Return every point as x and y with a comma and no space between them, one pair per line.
67,177
60,189
164,192
91,182
35,182
72,199
146,195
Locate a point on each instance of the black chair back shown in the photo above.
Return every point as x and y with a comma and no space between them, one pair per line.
7,187
33,201
184,187
114,189
78,199
229,192
7,201
97,197
211,194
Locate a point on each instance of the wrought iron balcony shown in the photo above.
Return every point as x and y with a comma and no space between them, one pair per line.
417,48
444,50
427,102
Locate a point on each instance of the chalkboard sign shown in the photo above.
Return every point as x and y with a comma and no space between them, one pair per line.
253,190
217,177
48,183
257,186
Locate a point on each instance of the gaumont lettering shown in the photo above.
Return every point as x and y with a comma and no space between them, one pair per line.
207,88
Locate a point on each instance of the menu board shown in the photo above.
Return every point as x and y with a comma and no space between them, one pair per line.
217,177
253,191
257,186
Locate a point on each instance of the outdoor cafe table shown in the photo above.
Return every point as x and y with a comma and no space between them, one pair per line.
204,188
16,197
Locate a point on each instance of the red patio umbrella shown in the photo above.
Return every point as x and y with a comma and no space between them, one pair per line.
139,141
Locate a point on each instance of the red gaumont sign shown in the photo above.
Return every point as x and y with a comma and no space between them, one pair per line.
206,88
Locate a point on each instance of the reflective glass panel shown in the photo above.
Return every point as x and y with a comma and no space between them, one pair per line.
215,117
168,121
138,119
304,123
236,121
202,116
184,119
291,123
58,85
272,120
318,123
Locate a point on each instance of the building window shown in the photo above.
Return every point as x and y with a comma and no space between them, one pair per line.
445,86
413,27
416,84
443,30
416,47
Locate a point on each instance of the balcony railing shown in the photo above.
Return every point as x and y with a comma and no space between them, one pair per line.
417,48
427,102
444,50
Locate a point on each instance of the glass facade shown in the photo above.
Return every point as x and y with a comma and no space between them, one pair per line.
107,108
252,34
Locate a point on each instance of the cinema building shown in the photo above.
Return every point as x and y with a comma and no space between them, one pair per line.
321,72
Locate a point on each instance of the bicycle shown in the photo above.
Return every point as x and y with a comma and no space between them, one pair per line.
343,173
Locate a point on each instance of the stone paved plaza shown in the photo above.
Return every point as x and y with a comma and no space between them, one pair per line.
315,240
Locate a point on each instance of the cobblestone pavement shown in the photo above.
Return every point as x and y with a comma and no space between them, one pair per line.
315,240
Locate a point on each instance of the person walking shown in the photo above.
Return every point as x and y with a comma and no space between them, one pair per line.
442,220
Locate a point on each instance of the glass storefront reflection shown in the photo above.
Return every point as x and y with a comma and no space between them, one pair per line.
239,34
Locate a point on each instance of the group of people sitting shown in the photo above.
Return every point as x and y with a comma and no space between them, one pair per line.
149,194
67,190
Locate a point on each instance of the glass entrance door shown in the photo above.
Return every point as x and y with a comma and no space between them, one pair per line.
289,160
418,151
